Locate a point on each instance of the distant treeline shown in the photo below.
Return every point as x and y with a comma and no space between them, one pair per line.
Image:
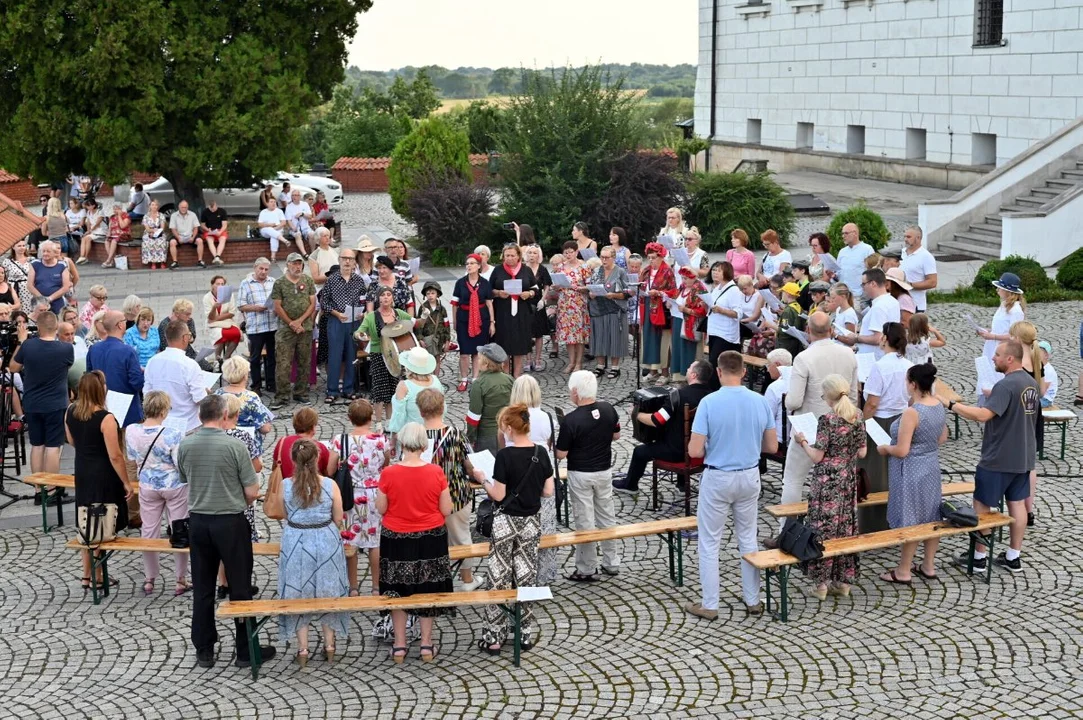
468,82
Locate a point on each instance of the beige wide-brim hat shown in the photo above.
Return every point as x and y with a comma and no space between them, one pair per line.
897,276
417,360
364,244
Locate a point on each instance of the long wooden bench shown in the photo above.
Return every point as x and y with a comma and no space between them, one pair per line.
1062,422
257,612
43,481
776,563
800,509
668,529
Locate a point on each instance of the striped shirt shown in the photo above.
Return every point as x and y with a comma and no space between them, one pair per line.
253,292
217,469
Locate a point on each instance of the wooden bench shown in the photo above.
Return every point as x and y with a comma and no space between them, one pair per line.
776,563
800,509
668,529
1062,422
257,612
43,481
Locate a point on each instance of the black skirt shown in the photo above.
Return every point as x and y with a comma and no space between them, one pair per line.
415,563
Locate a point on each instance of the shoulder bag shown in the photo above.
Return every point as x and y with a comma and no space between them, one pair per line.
343,477
958,513
97,523
801,541
488,507
701,324
274,505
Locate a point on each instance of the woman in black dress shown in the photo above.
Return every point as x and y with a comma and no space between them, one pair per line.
472,317
512,315
532,257
101,475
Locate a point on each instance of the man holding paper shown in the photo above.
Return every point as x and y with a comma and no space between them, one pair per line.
342,301
178,375
254,298
883,308
120,363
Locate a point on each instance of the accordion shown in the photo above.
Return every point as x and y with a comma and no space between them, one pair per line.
650,401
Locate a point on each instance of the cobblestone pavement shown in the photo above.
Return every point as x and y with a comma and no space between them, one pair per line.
623,647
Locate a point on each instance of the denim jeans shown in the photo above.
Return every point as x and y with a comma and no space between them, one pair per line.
340,354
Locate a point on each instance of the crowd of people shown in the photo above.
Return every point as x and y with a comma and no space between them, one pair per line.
847,340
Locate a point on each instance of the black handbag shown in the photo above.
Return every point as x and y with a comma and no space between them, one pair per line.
342,476
483,523
958,513
178,534
801,541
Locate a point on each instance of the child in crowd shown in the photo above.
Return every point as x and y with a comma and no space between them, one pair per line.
435,329
921,338
1048,373
840,302
790,317
552,295
873,261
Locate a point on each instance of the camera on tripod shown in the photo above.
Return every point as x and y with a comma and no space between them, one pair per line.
9,336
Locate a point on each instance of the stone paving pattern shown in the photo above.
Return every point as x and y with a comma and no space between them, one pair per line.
623,647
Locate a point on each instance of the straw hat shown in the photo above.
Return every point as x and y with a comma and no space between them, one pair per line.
417,360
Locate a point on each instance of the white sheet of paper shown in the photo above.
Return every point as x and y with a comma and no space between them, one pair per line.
248,429
804,423
878,434
828,261
973,323
513,287
1058,414
751,327
118,404
672,302
707,298
772,301
666,241
528,594
415,265
597,290
224,293
177,423
865,361
270,304
121,262
680,257
561,280
987,374
356,312
484,461
795,333
210,379
426,454
587,254
204,353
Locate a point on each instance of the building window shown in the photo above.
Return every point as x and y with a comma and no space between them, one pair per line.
915,143
805,132
983,149
855,139
753,131
988,23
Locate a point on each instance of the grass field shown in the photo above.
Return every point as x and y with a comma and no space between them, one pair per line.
450,104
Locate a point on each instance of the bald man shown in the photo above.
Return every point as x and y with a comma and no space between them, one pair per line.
851,258
120,363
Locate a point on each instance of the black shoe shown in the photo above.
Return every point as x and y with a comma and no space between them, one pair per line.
302,399
623,488
1012,566
276,405
37,499
979,564
174,265
1030,519
266,653
223,592
205,658
254,590
201,264
59,498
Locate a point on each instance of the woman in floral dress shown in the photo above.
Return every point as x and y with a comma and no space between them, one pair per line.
366,454
17,267
573,322
832,502
155,242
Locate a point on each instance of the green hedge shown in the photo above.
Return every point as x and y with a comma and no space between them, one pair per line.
1070,274
1032,276
719,203
873,229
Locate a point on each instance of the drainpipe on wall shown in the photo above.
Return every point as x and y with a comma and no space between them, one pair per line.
714,84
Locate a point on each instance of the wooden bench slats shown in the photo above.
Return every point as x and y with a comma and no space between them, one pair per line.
944,390
877,498
259,608
771,559
51,479
753,360
138,544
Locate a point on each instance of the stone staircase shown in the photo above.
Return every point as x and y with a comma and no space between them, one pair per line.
982,240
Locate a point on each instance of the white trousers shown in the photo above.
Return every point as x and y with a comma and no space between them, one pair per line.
798,465
592,507
723,493
272,234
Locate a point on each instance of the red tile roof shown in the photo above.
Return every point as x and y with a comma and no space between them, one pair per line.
352,163
15,222
6,177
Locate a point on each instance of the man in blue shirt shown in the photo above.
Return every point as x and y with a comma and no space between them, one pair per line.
733,426
120,363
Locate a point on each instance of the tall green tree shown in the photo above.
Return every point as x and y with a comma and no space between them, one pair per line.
436,150
208,95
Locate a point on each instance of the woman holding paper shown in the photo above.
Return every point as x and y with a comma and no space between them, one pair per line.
656,282
582,239
914,470
573,323
817,269
674,229
697,256
1010,312
886,397
687,308
539,324
472,318
514,289
223,330
608,314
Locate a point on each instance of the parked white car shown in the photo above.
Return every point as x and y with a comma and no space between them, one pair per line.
332,189
235,201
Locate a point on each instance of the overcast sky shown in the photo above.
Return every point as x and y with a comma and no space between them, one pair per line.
541,33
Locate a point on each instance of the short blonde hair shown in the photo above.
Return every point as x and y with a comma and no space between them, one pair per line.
525,391
413,437
744,281
235,370
145,314
183,305
430,402
156,404
233,405
98,290
130,303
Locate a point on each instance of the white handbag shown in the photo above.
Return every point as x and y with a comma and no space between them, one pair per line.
97,523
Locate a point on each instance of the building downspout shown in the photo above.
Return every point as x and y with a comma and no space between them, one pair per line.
714,84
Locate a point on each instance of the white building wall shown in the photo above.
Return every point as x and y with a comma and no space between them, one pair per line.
890,65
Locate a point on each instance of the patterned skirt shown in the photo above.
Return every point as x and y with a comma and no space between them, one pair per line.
153,249
381,384
414,563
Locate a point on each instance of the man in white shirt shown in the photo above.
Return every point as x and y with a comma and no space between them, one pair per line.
178,376
919,266
298,215
183,225
779,362
272,222
774,261
851,259
882,309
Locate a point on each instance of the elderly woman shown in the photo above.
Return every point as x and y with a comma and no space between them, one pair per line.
608,314
48,277
311,564
130,307
573,321
119,231
155,244
488,394
522,475
153,449
419,365
143,336
95,304
472,318
697,256
182,312
512,320
223,320
656,282
414,501
254,415
365,453
687,309
539,325
386,278
382,385
483,252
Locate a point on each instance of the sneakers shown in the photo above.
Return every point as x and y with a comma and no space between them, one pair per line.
81,261
754,610
276,405
474,584
1012,566
174,265
979,564
201,264
698,610
624,489
218,261
266,653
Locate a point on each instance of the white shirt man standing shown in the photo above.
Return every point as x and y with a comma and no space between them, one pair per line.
851,258
919,266
883,308
178,376
779,367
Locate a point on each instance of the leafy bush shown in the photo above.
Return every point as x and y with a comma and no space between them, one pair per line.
482,121
642,186
971,296
451,215
719,203
872,227
435,151
1070,274
1031,275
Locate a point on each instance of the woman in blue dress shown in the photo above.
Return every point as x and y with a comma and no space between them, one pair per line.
472,318
311,563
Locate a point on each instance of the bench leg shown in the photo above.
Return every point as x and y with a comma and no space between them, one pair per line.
781,576
517,629
97,592
45,507
956,427
680,559
1063,436
255,655
676,557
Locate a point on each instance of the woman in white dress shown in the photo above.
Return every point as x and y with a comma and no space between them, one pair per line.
1010,312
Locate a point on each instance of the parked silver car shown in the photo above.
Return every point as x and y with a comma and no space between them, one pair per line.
331,188
235,201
